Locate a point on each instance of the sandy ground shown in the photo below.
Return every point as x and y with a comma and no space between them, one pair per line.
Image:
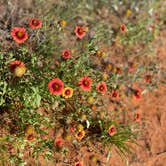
153,111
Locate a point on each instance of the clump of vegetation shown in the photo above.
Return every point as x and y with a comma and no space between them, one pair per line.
63,70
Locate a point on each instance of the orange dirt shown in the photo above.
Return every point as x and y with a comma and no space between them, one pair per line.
153,112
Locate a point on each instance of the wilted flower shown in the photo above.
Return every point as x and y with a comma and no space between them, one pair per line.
93,107
30,133
109,67
98,53
17,67
29,129
105,76
20,71
91,100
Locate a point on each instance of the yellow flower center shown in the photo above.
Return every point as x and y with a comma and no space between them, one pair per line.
56,86
20,34
80,30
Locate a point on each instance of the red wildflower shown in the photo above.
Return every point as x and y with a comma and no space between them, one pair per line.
123,28
115,93
67,92
19,34
85,83
17,68
101,87
148,78
58,142
78,164
137,93
66,54
14,64
35,23
80,32
112,130
56,86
